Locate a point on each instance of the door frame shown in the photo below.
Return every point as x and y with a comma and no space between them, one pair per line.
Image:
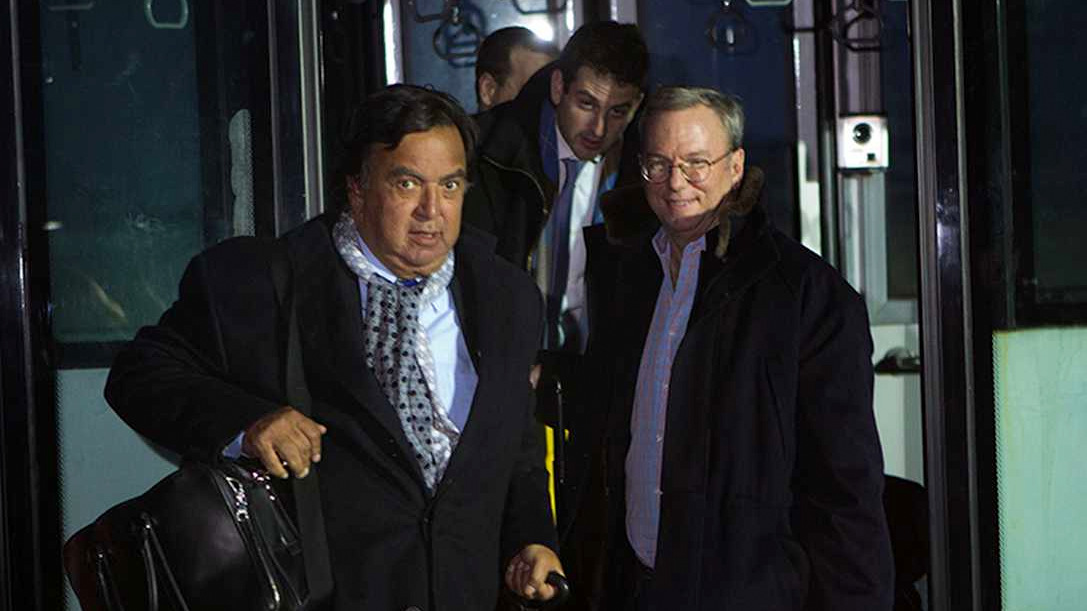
31,571
30,575
964,547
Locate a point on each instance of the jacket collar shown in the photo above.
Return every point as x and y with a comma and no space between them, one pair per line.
511,130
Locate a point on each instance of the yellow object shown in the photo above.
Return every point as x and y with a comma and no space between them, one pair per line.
549,463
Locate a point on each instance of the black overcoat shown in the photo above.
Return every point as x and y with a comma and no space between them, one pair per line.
772,469
213,365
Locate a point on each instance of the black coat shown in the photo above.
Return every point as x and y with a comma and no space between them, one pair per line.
511,195
772,470
212,366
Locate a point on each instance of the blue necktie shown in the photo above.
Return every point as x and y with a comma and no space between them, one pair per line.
560,252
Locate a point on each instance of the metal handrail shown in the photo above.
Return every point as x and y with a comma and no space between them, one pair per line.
182,20
447,8
449,52
729,31
544,11
863,11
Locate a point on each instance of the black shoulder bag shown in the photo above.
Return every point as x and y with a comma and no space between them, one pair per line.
211,535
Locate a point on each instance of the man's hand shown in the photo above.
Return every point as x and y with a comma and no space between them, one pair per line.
285,437
528,570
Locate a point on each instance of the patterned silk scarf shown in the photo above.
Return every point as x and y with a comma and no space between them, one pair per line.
398,351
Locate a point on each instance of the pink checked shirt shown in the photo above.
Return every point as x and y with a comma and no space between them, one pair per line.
643,462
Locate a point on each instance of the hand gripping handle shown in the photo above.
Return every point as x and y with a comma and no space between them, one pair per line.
562,592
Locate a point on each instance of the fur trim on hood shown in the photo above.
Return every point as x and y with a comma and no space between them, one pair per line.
628,217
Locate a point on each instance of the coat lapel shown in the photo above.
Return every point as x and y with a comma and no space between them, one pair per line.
330,328
475,295
638,284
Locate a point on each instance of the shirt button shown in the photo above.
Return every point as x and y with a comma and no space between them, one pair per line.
660,438
659,492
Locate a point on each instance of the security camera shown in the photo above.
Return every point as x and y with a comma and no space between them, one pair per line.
863,143
862,133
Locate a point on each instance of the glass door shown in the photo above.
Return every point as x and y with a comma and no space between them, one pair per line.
1001,134
1025,117
147,132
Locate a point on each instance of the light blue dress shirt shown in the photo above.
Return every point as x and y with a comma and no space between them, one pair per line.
455,374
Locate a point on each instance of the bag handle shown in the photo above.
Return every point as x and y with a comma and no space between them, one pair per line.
104,581
307,494
150,549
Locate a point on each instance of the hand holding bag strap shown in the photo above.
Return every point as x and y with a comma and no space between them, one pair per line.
307,494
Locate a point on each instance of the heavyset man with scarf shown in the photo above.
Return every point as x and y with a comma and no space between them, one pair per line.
417,343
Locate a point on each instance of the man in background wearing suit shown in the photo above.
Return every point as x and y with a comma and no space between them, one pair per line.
416,342
545,158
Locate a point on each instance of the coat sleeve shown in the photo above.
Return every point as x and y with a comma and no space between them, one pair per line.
839,516
527,515
171,383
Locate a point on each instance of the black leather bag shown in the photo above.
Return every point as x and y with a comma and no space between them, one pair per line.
212,535
208,536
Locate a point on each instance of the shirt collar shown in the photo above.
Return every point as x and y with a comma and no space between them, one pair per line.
662,246
379,267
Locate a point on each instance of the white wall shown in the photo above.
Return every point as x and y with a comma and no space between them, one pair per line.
897,405
1041,402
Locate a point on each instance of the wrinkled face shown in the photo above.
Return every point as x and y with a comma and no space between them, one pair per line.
523,64
408,208
593,110
687,210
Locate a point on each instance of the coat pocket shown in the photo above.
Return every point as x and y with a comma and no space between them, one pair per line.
783,401
752,561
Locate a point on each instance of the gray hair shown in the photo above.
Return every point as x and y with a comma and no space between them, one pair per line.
727,107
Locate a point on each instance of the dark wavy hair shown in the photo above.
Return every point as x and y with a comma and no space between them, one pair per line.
610,48
385,117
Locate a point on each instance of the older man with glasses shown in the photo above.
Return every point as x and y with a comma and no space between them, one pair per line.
740,455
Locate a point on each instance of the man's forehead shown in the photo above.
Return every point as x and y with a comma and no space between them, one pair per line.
603,87
419,148
687,123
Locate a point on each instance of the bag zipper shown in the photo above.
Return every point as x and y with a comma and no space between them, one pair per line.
242,517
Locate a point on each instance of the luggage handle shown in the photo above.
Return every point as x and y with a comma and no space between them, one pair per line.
104,581
562,592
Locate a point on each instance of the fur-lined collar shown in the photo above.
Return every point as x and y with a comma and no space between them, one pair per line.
629,219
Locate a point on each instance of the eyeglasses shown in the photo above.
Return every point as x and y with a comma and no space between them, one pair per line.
659,169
